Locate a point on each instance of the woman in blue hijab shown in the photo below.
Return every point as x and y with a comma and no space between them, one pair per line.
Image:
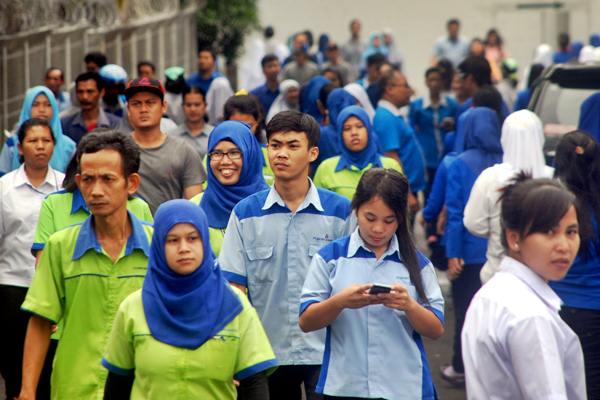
187,333
235,171
39,103
342,173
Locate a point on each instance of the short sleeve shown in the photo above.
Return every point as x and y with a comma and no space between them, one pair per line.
387,132
232,258
193,170
46,295
255,353
317,286
119,356
433,291
45,226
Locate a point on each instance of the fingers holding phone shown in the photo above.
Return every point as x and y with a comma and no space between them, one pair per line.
355,296
398,298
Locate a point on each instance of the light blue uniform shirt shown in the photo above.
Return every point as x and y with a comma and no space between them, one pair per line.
373,351
268,249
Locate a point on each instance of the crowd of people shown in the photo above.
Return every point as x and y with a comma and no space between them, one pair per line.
178,239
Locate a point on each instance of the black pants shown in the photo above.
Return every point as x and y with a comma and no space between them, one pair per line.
463,289
586,324
286,382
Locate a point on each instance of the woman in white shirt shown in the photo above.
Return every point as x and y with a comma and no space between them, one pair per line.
514,343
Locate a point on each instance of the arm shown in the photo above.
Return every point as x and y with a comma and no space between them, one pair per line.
437,196
255,387
193,173
118,387
191,191
37,341
232,258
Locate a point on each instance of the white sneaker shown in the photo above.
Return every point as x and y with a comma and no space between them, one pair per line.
449,373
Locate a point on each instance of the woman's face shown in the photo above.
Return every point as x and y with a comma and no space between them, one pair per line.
37,147
355,135
41,107
226,162
377,224
184,249
292,96
549,254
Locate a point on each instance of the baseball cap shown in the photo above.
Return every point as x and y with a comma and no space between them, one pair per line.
145,84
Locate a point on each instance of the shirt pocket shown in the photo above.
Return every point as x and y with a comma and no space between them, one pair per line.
261,268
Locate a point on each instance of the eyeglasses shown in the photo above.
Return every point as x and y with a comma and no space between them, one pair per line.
218,155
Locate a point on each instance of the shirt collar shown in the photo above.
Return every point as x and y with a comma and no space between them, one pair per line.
356,243
312,197
427,101
87,240
389,106
102,120
78,203
21,178
533,280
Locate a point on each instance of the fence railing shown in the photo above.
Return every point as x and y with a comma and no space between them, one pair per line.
38,34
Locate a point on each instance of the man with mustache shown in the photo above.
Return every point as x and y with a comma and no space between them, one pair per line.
89,89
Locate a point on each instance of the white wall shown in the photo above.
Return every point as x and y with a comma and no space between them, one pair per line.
417,23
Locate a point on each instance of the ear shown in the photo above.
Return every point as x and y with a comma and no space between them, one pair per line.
314,153
20,148
102,92
78,180
164,106
512,239
133,183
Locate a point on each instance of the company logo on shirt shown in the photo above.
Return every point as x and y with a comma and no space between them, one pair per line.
325,238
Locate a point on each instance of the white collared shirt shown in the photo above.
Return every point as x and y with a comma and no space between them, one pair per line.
20,204
514,343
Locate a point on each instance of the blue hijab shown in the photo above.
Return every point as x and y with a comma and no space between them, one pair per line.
482,134
64,146
309,94
185,310
589,116
366,156
218,200
337,100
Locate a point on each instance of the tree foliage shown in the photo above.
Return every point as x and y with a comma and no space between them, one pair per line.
223,24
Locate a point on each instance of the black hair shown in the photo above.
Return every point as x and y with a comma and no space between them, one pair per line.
563,40
533,205
269,32
309,37
110,139
287,121
324,93
212,51
488,96
376,60
192,89
267,59
69,183
96,57
577,165
453,21
447,69
335,71
62,74
392,187
146,63
90,76
30,123
534,73
478,68
434,70
244,104
493,31
384,80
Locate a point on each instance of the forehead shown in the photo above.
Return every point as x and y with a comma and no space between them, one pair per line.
101,162
225,145
144,96
38,130
353,120
376,206
54,73
238,116
205,53
398,78
193,98
182,229
289,136
41,98
88,84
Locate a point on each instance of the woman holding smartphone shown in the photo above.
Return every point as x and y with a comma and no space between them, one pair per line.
514,343
366,331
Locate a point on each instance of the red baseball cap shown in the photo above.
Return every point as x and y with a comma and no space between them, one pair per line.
145,84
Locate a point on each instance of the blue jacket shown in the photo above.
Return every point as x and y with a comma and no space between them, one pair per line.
589,117
482,149
437,195
522,101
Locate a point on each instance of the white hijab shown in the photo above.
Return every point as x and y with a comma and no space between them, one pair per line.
360,94
523,142
543,55
279,104
587,55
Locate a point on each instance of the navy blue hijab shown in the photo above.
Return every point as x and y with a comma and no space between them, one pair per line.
337,100
185,310
589,117
218,200
366,156
309,94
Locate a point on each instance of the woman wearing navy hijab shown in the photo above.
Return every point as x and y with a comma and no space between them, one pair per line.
235,171
187,334
342,173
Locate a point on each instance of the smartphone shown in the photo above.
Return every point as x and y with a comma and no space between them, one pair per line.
379,288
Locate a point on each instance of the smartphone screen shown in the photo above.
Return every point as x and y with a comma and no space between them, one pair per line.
378,288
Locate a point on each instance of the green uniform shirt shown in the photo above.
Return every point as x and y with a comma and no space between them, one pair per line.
77,282
162,371
267,171
63,208
345,181
216,235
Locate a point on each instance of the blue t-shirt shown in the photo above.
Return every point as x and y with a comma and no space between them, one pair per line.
265,96
197,80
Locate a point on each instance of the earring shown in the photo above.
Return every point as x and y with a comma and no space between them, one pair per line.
516,246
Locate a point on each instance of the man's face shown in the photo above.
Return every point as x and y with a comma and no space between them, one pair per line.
102,182
332,53
300,42
88,94
434,82
355,28
146,71
194,107
54,80
271,70
453,29
206,62
290,155
398,91
92,67
145,110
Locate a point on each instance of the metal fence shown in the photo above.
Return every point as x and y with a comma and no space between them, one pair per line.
38,34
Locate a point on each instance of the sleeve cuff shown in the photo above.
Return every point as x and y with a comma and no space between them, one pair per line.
437,313
236,278
254,369
37,246
304,305
114,369
37,314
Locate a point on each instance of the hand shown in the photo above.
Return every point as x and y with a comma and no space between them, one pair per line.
440,226
447,124
25,395
413,203
420,220
455,267
398,298
356,296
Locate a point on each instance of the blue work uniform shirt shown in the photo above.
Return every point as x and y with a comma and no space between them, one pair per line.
266,96
74,126
373,351
198,81
268,249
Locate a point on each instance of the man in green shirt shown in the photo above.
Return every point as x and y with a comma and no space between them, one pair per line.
86,270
